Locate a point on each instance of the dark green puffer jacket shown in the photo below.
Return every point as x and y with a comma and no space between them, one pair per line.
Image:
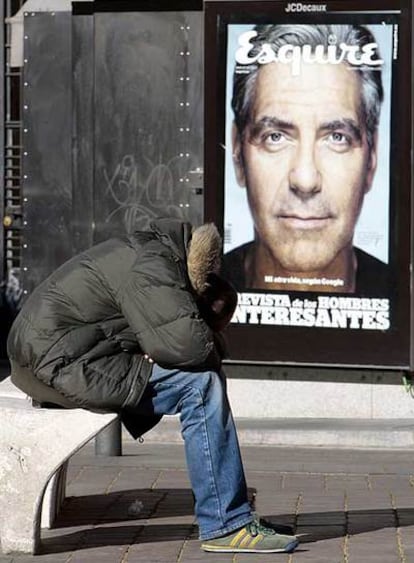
87,330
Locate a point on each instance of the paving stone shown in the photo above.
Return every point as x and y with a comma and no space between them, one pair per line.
393,482
407,537
405,514
51,558
409,554
153,545
321,518
318,533
102,555
300,482
346,483
369,521
367,552
262,558
327,551
403,499
369,501
173,476
192,552
142,479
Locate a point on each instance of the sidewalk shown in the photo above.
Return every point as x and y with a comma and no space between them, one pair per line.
350,506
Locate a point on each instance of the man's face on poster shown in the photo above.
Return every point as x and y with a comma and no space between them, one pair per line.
305,161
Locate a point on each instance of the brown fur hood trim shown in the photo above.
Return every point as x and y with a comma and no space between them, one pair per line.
203,256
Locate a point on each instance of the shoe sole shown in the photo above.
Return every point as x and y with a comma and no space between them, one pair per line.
218,549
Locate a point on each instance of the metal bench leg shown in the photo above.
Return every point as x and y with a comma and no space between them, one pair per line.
109,441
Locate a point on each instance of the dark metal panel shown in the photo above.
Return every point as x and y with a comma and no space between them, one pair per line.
410,49
3,306
47,129
2,118
136,6
83,131
148,119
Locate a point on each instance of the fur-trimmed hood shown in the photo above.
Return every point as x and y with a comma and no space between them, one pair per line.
200,247
203,256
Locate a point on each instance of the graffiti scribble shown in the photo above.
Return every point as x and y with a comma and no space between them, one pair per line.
166,189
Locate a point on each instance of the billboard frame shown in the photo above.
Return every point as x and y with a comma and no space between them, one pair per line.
299,345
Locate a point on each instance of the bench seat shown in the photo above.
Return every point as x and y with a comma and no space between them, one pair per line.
35,446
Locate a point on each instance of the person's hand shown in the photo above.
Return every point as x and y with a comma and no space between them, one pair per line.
218,303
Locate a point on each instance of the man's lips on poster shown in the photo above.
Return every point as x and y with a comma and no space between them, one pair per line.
305,221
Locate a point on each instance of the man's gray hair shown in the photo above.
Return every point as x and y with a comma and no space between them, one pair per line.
313,35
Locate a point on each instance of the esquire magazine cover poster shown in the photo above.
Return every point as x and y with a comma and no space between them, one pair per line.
309,124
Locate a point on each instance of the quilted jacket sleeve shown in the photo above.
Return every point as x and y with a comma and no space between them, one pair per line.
162,313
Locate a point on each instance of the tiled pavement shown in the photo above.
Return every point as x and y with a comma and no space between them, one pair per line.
349,506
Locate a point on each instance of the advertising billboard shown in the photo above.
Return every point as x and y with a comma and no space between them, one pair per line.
306,174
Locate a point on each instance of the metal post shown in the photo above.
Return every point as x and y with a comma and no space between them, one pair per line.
109,441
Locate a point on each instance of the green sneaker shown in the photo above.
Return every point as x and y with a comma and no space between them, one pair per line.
253,538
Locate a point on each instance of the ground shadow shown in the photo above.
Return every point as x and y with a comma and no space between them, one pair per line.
101,516
119,506
317,526
123,505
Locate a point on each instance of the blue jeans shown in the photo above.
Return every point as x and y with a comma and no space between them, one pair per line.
211,445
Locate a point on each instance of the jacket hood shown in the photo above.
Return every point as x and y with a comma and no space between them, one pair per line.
199,247
175,233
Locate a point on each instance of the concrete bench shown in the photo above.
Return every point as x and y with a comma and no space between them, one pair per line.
35,447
